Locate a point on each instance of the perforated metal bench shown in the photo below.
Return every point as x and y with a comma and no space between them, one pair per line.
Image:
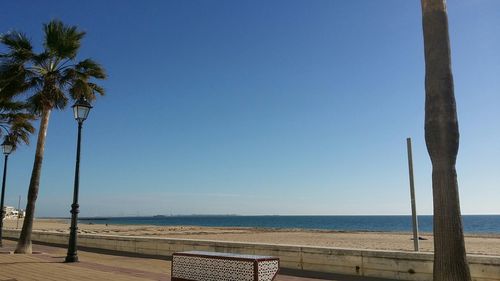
213,266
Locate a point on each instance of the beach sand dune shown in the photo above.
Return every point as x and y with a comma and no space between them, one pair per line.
476,244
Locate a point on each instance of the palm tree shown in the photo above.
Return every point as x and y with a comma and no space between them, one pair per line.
442,138
49,78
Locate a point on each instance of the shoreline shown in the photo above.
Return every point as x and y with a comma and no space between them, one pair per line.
84,222
90,221
482,244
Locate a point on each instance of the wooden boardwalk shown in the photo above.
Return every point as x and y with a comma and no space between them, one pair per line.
48,264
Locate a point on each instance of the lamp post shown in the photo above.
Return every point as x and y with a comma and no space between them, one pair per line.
81,110
7,148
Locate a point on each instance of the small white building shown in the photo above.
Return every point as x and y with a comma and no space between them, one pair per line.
11,212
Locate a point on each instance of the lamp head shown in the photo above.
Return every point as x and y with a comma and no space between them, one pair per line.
7,146
81,109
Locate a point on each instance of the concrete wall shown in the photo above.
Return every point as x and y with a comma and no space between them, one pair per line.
372,263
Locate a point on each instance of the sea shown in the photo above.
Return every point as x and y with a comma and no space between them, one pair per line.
480,224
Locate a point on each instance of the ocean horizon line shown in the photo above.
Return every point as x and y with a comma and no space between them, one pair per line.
246,215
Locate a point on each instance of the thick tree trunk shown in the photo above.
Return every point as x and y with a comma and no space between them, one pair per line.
442,138
24,243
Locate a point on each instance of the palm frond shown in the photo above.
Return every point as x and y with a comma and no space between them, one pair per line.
62,41
80,88
16,79
20,131
19,45
97,89
58,99
36,103
42,61
7,105
78,79
89,68
16,121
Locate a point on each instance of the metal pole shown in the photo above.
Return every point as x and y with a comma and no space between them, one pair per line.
18,211
72,255
3,196
412,194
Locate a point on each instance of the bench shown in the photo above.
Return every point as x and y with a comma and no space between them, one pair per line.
212,266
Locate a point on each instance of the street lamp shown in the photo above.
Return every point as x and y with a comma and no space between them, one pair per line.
7,148
81,110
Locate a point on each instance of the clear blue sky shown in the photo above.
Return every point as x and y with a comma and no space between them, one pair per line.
263,107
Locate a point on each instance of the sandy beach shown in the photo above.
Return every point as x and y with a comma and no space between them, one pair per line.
476,244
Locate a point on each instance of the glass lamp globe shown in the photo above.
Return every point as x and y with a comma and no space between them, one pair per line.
7,147
81,109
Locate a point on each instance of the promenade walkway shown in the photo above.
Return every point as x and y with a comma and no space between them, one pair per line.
48,264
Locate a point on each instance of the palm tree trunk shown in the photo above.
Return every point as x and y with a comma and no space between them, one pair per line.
24,243
442,139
